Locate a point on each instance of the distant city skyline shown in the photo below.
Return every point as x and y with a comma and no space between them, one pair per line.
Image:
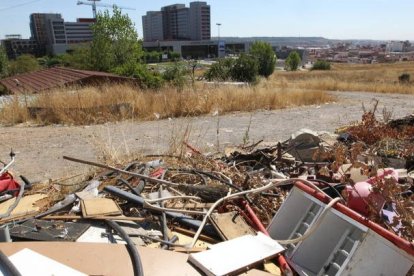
333,19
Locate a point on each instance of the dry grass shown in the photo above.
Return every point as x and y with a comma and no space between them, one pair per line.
381,78
117,102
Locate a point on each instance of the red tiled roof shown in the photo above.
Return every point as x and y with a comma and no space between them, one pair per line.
51,78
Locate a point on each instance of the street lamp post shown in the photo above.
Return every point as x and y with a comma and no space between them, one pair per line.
218,39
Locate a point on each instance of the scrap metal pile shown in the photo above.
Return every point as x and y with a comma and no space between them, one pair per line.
189,202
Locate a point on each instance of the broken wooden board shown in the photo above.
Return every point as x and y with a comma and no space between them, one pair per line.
99,207
42,230
236,255
26,206
230,225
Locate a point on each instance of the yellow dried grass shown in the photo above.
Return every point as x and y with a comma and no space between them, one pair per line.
382,78
117,102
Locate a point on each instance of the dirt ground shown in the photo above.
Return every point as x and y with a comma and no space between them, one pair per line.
39,150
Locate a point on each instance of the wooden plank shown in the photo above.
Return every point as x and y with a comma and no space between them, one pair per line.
99,207
191,234
230,225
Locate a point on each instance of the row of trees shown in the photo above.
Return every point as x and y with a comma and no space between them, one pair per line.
260,61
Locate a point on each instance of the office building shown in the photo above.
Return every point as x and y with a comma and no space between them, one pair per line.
40,26
17,46
153,26
178,22
57,36
200,25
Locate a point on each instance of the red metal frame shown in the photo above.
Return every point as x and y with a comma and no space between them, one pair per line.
284,266
398,241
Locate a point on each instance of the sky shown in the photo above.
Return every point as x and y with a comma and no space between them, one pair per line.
334,19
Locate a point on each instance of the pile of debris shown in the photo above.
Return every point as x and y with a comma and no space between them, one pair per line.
254,209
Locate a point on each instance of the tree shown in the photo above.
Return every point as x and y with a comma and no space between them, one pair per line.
115,41
265,56
321,65
292,62
245,69
152,57
4,62
23,64
78,58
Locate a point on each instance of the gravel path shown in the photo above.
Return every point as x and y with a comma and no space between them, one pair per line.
40,149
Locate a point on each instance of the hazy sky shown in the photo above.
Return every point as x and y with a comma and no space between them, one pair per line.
340,19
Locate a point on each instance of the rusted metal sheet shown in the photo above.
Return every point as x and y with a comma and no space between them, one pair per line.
38,81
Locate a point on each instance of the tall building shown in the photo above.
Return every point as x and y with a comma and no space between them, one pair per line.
40,26
153,26
55,35
200,25
170,21
79,31
178,22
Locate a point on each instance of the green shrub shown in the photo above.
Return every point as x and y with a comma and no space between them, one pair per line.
174,56
152,57
176,74
23,64
245,69
147,79
404,78
321,65
220,71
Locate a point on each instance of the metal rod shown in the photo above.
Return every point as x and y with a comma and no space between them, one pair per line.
99,165
180,218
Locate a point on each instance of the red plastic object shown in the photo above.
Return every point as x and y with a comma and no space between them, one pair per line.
362,199
8,183
398,241
157,173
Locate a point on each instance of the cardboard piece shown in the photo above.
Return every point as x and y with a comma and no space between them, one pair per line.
236,255
230,225
110,259
25,207
99,207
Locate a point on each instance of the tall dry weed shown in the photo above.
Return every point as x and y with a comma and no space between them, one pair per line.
91,105
14,112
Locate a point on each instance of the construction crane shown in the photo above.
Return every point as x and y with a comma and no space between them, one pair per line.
94,5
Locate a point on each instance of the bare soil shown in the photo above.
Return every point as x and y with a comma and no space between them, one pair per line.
39,150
